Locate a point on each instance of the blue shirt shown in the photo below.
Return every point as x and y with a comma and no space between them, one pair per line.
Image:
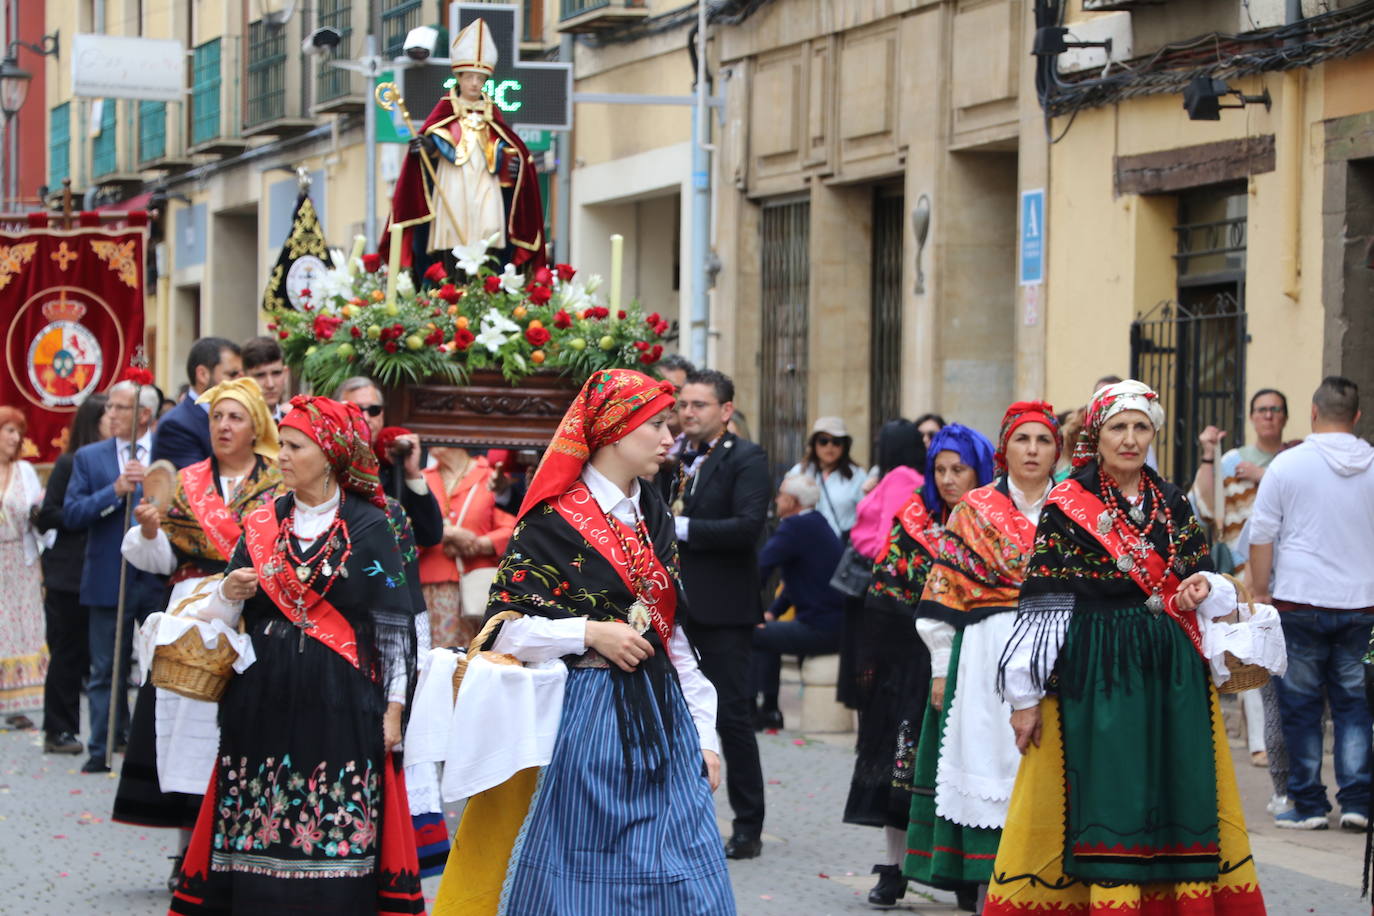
806,550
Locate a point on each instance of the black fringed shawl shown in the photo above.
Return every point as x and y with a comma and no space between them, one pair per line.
550,570
1070,573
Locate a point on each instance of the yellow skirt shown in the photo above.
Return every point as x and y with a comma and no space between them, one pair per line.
1028,876
481,851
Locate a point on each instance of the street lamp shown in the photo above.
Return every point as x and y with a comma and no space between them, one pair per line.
14,86
14,90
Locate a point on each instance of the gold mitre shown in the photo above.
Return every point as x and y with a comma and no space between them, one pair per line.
474,50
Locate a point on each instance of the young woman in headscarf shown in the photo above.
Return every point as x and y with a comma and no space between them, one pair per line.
1125,799
162,781
894,665
966,758
306,811
620,819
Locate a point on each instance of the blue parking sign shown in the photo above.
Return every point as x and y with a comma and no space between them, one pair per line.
1032,237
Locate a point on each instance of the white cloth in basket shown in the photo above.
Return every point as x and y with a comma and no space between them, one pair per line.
426,737
1256,640
505,720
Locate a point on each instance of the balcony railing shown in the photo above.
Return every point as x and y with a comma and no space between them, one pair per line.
266,74
336,87
398,18
105,147
59,145
599,15
152,131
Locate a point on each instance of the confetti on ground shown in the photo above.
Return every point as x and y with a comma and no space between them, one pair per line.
822,875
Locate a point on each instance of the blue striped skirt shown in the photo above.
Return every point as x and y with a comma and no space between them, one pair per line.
601,842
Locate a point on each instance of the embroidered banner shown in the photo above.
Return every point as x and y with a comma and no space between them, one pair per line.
71,304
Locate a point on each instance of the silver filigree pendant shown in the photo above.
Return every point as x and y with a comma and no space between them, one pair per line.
1155,603
1137,515
1125,563
1104,523
343,571
326,570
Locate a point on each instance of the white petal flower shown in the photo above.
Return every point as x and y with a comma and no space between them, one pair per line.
511,282
573,295
496,330
405,286
471,257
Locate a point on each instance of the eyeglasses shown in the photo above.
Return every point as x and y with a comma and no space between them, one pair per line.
829,440
372,410
696,405
1270,411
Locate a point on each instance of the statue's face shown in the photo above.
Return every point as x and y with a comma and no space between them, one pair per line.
470,85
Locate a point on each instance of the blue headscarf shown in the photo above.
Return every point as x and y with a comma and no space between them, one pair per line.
974,449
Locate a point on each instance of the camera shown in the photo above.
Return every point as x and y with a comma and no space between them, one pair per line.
420,42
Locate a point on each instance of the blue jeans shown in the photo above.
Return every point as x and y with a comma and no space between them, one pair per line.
786,637
1324,652
102,636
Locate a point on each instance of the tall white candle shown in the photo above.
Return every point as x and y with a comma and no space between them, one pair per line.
393,269
617,264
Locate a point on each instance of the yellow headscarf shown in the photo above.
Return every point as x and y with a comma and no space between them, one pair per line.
246,392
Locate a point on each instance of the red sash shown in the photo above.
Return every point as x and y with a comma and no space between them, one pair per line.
998,508
209,508
579,509
321,619
1087,511
915,521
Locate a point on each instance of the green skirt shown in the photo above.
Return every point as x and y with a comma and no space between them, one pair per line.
1140,769
939,852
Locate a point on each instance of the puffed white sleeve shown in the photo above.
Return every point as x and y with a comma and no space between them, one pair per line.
150,555
699,692
1033,648
939,639
539,639
1220,601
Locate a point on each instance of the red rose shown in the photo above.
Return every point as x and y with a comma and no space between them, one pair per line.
463,338
326,325
653,319
372,262
356,331
657,351
435,272
565,271
543,275
561,319
434,337
398,328
597,311
449,293
641,346
537,336
540,294
620,314
492,284
271,326
662,328
283,334
390,346
646,358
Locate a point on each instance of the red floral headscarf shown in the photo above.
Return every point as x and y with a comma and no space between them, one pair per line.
1107,403
1026,412
342,434
612,404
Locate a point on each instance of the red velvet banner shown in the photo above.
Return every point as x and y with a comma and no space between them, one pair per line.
71,305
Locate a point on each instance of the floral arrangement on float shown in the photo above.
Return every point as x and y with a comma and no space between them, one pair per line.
364,317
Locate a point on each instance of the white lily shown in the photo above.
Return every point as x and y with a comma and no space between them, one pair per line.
405,286
496,330
471,257
574,295
511,282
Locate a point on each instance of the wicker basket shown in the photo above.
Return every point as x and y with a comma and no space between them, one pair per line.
475,648
1243,676
187,668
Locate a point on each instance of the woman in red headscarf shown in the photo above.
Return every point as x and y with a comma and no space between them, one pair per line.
306,811
966,758
620,819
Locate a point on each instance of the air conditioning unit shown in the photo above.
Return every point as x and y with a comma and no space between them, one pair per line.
1114,26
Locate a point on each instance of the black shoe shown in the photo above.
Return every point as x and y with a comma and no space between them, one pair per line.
890,888
61,743
966,898
95,765
743,846
175,878
768,719
19,722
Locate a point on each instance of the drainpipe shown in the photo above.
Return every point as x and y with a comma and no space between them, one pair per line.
701,201
1290,166
562,249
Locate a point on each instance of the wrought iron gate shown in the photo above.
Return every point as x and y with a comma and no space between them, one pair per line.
1193,353
885,326
786,242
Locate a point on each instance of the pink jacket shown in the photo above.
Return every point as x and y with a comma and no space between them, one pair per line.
874,517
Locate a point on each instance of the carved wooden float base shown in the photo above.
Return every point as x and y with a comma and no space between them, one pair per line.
488,411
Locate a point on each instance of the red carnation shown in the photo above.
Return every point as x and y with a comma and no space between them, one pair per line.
492,284
463,338
390,346
373,262
662,328
271,326
537,336
565,271
561,319
620,314
137,376
543,275
283,334
398,328
646,358
641,346
449,293
434,337
653,319
597,311
326,325
540,294
436,272
356,331
657,352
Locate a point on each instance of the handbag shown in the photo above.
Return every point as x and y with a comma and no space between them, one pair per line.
853,573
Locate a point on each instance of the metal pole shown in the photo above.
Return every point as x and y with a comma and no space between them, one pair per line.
562,249
119,678
370,144
701,200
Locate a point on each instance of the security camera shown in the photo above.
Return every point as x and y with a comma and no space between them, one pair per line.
420,42
320,40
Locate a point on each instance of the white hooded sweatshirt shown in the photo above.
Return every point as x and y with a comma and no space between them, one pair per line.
1316,506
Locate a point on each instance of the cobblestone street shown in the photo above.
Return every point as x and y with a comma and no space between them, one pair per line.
62,856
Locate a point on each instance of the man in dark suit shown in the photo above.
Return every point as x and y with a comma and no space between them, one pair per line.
103,474
426,518
720,497
183,433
